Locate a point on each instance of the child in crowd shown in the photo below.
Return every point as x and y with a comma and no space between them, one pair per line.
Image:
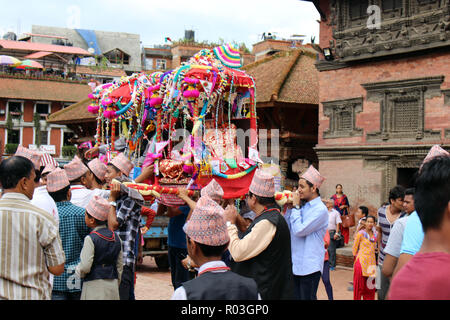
207,239
124,217
101,257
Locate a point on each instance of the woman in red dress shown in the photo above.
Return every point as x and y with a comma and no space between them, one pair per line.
342,205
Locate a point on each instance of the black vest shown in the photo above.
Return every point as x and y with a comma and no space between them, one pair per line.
221,286
272,268
107,249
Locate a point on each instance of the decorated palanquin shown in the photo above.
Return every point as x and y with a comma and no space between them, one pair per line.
203,97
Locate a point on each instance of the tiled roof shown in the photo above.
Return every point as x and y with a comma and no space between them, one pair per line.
75,113
38,55
287,76
34,46
43,90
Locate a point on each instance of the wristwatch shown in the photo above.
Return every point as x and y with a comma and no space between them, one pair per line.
113,204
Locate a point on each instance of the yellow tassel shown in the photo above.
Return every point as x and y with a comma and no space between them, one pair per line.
125,129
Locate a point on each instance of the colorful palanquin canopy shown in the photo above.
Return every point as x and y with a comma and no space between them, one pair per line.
204,95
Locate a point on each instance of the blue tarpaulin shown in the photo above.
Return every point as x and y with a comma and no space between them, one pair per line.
90,38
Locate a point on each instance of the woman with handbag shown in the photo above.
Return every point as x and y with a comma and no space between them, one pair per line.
342,205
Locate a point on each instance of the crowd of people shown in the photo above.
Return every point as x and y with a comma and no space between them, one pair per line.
75,233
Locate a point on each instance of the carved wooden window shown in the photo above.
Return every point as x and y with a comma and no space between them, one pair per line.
405,114
391,4
426,1
358,8
402,107
342,114
419,6
344,120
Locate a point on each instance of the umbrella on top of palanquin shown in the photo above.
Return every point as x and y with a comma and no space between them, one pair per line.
9,61
30,64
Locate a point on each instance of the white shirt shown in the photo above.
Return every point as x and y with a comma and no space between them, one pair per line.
334,218
101,193
180,293
42,199
81,195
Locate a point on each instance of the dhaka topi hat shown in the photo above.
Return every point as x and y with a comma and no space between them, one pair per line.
206,225
435,151
48,168
213,190
31,155
313,176
98,168
122,163
263,184
75,169
57,180
98,208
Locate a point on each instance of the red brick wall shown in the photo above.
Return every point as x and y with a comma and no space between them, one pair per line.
326,32
344,261
3,107
55,139
2,141
271,44
27,136
28,111
361,184
346,83
56,106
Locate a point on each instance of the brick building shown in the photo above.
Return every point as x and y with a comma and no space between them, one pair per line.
287,97
384,93
168,57
23,98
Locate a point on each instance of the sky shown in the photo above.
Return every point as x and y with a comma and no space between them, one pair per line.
242,21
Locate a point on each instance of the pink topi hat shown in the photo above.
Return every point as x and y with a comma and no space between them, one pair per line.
48,168
57,180
98,168
33,156
435,151
213,190
263,184
313,176
207,225
98,208
122,163
75,169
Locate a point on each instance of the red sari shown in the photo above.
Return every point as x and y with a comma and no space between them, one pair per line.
343,200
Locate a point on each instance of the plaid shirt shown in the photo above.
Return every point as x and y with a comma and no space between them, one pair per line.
73,230
128,216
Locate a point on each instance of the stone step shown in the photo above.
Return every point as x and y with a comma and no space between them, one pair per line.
344,256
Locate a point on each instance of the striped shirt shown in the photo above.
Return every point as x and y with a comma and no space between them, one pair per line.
29,242
386,227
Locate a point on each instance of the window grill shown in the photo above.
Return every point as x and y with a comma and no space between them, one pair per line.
406,115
